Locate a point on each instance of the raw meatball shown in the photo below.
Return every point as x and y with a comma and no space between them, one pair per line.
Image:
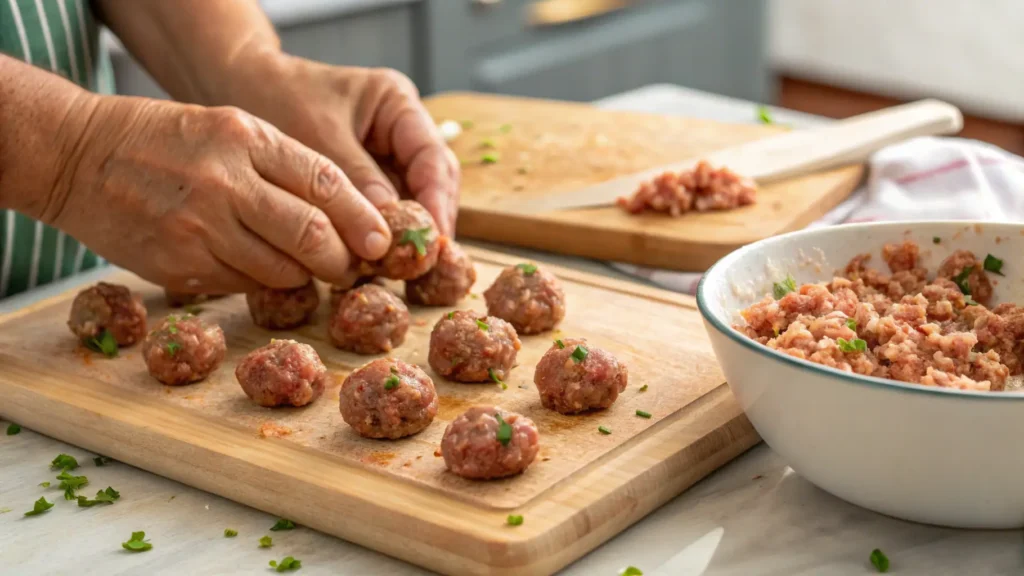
179,299
470,347
414,242
282,373
528,297
448,282
388,398
472,447
108,307
573,377
183,349
283,309
369,320
976,282
338,291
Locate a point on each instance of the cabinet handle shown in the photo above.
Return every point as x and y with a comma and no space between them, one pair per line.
557,12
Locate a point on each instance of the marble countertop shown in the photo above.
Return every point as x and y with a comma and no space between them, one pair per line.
753,516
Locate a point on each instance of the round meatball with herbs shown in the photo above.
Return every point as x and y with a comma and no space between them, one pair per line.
488,442
181,299
447,282
282,373
466,346
414,242
183,349
388,398
283,309
106,316
527,297
369,320
574,376
338,291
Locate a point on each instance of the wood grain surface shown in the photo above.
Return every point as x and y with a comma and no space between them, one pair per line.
396,497
543,146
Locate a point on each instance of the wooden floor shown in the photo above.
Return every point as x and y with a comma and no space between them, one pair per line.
834,102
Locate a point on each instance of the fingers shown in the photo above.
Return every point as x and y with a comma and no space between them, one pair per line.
286,163
253,257
364,173
209,275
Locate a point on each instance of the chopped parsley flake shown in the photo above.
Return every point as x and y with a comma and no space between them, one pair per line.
288,563
604,430
514,520
643,388
69,483
494,377
487,143
489,158
193,309
505,128
230,532
579,354
417,238
993,265
528,269
467,124
764,115
504,430
283,524
137,543
780,289
266,542
855,345
643,414
5,510
936,240
64,462
961,280
13,429
560,344
102,460
104,344
451,315
173,347
851,323
392,382
45,484
879,560
482,325
632,571
39,507
102,497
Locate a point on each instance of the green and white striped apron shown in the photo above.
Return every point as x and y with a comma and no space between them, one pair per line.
61,36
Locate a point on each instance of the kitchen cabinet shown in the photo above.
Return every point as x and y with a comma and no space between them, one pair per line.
566,49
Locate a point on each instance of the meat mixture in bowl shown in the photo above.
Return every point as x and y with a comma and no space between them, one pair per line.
905,325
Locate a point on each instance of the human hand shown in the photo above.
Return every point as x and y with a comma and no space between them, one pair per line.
209,200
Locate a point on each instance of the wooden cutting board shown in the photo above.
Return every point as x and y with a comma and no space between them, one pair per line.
546,146
395,496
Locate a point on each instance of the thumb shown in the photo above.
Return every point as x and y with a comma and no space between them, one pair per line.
364,173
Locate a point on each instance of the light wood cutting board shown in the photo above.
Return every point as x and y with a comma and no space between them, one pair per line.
547,146
396,497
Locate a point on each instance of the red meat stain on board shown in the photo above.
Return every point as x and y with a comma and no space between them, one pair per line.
273,430
381,459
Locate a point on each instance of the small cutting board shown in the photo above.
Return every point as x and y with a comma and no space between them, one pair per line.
543,146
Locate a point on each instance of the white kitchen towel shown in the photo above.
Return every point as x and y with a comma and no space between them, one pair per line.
920,179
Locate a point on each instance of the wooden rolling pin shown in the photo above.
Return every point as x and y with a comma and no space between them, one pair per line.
795,153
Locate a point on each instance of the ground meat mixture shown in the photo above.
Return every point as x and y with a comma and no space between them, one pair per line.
529,298
388,398
369,320
699,189
414,242
183,349
282,373
179,299
108,308
902,326
574,376
283,309
447,282
469,347
487,442
339,291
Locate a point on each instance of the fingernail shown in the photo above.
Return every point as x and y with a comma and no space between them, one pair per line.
376,245
379,195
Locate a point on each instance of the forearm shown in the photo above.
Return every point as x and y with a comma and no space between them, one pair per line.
199,51
42,117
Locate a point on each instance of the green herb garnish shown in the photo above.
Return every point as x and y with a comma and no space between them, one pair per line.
604,430
102,497
993,265
505,128
855,345
39,507
45,484
489,158
851,323
961,280
5,510
283,524
643,414
514,520
137,543
102,460
968,301
764,115
780,289
482,325
230,532
451,315
13,429
579,354
193,309
560,344
104,344
494,377
64,462
504,430
632,571
417,238
467,124
288,563
528,269
392,382
487,143
643,388
173,347
69,483
266,542
879,560
936,240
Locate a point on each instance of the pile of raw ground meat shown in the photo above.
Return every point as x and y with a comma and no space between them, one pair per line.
902,326
700,189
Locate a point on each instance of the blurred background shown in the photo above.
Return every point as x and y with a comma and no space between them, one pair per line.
835,58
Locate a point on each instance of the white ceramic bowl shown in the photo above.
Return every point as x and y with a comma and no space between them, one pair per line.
932,455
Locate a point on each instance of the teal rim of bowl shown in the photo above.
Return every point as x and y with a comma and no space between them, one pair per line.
827,370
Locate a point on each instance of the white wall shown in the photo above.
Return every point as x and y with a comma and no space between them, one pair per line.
969,52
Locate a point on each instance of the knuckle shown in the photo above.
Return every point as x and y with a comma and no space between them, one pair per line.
392,77
233,122
327,181
313,237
